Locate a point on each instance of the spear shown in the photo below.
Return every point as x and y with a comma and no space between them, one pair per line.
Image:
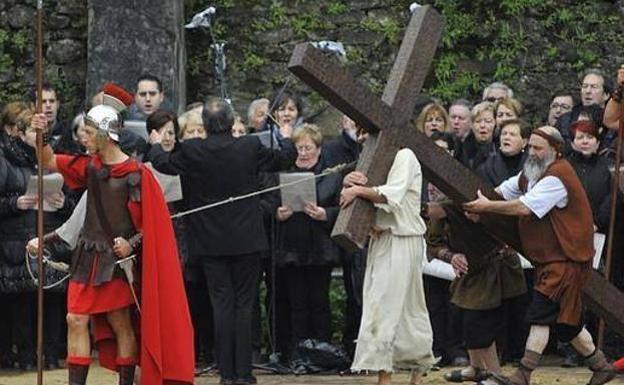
40,281
612,213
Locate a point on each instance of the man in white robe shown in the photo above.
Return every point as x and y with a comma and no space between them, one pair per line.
395,332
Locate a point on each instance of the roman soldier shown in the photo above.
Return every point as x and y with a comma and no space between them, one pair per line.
126,220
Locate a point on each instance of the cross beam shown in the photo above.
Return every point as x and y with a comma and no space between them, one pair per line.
390,116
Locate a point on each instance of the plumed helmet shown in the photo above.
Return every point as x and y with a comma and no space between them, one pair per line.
107,116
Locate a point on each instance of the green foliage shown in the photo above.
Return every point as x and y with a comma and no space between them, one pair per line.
388,28
253,61
12,48
336,8
519,42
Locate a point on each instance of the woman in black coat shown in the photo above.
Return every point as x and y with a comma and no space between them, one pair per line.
306,253
592,169
509,158
479,143
18,224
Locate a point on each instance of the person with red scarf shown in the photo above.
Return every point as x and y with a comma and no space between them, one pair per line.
126,215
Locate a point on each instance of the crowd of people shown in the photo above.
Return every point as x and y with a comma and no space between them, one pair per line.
478,321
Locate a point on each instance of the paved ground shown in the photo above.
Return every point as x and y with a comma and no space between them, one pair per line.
97,376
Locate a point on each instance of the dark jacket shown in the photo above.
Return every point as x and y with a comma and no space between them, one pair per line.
342,149
472,154
217,168
593,171
497,167
17,227
303,241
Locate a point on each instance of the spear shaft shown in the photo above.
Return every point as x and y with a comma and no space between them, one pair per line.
39,109
615,188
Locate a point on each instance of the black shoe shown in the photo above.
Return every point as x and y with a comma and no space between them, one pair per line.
251,380
460,361
226,381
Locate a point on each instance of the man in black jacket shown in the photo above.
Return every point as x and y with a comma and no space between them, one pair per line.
229,238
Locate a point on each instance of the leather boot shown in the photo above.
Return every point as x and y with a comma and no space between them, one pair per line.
77,374
522,376
603,371
126,374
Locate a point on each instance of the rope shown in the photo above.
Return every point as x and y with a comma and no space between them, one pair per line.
60,266
327,171
63,267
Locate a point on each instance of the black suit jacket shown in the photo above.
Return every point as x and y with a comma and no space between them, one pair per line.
215,169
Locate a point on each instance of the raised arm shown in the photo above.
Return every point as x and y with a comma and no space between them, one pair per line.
39,122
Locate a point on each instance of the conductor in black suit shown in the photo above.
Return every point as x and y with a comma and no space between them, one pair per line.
228,238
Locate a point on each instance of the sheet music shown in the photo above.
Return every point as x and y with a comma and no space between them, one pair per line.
265,138
297,195
137,127
52,184
170,184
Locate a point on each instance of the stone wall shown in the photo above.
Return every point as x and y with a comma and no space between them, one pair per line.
536,46
65,48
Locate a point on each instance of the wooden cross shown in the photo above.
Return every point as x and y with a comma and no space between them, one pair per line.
391,117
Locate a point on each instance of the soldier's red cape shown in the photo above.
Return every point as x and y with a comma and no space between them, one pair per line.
165,333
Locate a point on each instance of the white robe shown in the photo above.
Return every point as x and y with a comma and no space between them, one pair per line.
395,332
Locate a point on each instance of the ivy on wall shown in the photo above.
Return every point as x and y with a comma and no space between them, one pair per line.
535,46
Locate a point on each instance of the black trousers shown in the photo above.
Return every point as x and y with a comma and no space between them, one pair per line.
7,303
308,299
446,319
200,307
55,334
232,283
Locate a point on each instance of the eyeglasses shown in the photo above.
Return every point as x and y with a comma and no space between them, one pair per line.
306,148
492,99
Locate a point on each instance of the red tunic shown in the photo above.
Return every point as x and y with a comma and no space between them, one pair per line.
166,332
84,298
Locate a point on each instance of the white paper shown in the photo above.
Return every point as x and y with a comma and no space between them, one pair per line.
298,194
52,184
524,262
170,184
439,269
136,127
599,242
265,138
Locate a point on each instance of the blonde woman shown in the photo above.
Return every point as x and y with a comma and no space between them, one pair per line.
433,118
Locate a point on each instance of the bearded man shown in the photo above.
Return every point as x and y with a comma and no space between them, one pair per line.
126,214
556,231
